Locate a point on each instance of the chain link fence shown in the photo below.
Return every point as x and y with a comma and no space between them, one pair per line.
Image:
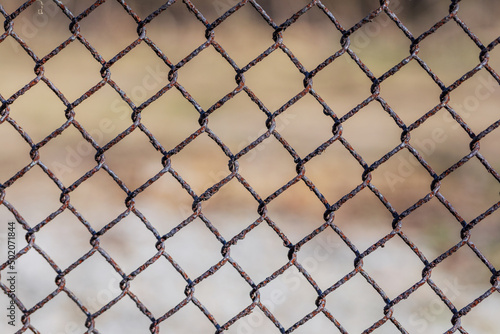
233,195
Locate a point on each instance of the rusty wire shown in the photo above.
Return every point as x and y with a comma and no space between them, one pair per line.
233,161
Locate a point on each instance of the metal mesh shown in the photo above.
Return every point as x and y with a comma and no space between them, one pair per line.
322,307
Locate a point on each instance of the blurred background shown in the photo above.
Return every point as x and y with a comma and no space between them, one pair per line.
297,212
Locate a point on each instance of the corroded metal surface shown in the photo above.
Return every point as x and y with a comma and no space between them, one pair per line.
233,163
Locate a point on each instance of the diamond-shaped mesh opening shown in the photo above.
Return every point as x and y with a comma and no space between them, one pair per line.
431,141
418,16
255,322
485,236
214,9
424,311
35,205
226,122
177,321
269,156
76,7
134,153
395,259
216,81
478,21
94,291
130,243
475,99
297,297
97,29
400,171
144,8
318,323
228,285
482,318
98,206
258,264
368,140
442,230
74,58
312,46
140,74
236,40
231,209
17,66
195,248
297,212
30,265
170,119
175,40
48,319
368,308
64,251
103,116
68,156
411,92
42,31
10,7
274,80
388,328
348,16
479,189
446,42
363,228
355,85
324,171
159,287
30,114
305,126
201,154
380,44
165,203
123,317
13,157
327,258
466,283
280,13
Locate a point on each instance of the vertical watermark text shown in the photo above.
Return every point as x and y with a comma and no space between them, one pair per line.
11,272
40,10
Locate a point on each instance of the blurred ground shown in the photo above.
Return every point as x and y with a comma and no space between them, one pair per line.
450,53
